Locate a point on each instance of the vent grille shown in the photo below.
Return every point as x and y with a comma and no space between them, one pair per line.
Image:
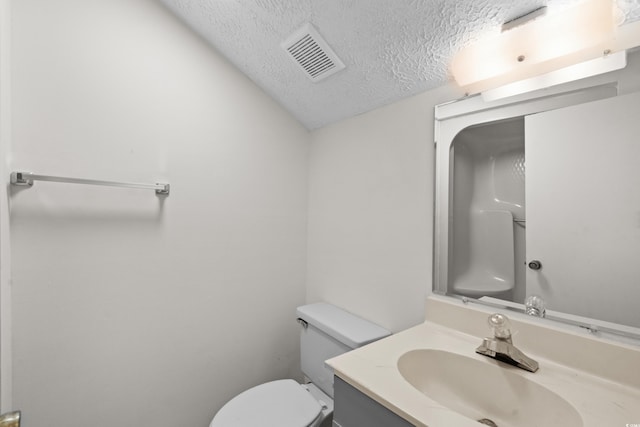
312,54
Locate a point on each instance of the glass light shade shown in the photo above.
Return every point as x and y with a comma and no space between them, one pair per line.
545,44
593,67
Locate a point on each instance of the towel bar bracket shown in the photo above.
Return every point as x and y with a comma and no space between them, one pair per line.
17,178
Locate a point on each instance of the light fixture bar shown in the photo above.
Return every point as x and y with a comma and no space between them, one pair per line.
534,14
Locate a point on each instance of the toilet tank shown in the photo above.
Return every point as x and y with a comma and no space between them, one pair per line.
329,331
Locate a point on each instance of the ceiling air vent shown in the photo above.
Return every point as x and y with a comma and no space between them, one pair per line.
309,50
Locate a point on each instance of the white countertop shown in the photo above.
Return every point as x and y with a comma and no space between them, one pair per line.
597,396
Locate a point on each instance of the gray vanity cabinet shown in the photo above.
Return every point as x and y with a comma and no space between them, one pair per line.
353,408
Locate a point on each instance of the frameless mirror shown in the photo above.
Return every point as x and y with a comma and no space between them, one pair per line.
540,196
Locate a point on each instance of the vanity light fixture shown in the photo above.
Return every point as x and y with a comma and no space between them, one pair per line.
539,44
594,67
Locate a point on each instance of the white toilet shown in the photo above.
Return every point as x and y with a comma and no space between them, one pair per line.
326,332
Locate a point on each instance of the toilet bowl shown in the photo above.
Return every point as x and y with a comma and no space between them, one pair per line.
326,332
282,403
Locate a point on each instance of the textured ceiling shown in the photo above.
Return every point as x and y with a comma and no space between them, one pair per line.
392,48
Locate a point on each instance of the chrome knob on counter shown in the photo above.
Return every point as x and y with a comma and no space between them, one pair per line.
534,306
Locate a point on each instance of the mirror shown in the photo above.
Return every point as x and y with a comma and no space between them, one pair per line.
538,195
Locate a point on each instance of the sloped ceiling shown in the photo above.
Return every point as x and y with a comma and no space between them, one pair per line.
392,48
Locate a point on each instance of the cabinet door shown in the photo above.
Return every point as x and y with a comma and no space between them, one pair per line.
583,208
353,409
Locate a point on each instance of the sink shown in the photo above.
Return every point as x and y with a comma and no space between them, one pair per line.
484,391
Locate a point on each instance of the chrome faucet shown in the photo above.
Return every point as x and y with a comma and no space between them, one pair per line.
501,346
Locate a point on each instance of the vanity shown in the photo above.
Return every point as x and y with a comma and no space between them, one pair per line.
430,375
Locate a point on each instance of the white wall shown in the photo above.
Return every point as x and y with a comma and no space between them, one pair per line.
371,211
133,309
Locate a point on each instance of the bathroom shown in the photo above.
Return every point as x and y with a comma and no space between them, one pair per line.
157,310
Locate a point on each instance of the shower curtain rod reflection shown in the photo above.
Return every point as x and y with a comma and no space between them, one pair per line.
27,178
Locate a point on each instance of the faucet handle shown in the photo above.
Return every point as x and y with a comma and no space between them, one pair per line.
501,326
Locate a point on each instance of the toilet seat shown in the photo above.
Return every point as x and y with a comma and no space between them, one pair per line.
282,403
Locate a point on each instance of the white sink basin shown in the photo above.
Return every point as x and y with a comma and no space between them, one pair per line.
480,390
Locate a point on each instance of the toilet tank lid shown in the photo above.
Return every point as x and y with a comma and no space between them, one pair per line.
347,328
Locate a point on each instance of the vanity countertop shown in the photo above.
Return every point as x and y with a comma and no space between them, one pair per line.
603,385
